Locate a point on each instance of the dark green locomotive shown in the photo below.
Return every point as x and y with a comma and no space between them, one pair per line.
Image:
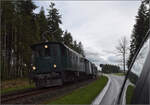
54,63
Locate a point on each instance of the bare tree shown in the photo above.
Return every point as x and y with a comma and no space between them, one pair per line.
122,51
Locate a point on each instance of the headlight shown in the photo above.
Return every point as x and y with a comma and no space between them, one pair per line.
34,68
54,65
45,46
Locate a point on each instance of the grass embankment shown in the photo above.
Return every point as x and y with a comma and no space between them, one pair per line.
15,85
84,95
119,74
129,94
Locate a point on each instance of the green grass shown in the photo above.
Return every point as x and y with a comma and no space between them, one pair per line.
129,94
15,85
119,74
84,95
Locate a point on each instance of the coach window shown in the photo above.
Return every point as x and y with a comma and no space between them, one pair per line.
78,59
73,55
67,52
70,54
63,51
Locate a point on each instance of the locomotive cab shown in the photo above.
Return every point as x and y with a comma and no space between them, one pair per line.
46,58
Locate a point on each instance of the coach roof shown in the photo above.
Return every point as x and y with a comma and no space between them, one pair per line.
43,43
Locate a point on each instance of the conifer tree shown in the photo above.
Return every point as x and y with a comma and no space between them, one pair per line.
42,22
20,28
140,29
67,39
54,21
7,17
28,28
80,49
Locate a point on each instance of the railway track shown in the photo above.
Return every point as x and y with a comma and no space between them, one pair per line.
25,94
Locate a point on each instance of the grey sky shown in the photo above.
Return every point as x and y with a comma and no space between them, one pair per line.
97,24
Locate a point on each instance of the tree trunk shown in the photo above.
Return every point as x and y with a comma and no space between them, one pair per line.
124,62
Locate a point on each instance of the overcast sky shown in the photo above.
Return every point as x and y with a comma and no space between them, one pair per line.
97,24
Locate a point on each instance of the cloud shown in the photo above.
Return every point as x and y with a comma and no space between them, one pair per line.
113,59
98,24
95,57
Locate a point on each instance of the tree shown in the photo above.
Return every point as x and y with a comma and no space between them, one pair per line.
19,31
67,39
80,49
7,36
54,20
122,50
27,29
109,68
75,45
140,29
101,65
42,22
20,28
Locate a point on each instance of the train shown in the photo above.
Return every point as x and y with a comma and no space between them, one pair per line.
54,63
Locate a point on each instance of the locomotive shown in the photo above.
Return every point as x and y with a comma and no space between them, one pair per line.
54,63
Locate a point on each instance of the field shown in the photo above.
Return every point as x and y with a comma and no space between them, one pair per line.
84,95
129,94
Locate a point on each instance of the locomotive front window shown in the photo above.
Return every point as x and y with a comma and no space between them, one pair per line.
49,51
64,51
55,50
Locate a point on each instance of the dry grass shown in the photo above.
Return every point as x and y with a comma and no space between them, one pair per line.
14,85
